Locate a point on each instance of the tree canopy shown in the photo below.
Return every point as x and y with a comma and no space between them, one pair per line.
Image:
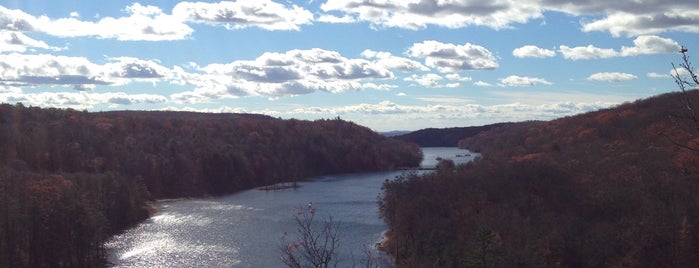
70,178
609,188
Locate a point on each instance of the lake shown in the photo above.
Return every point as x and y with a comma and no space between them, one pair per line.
244,229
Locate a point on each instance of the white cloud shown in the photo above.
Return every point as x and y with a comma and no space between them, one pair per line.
682,72
450,58
682,17
643,45
390,61
657,75
265,14
79,72
611,77
427,80
587,52
628,18
222,109
147,23
482,84
457,77
520,81
445,100
295,72
80,99
378,86
497,14
650,44
14,41
450,112
530,51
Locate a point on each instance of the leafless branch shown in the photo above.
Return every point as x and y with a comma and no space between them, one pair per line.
315,243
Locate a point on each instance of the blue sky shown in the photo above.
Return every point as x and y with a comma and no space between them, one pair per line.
387,65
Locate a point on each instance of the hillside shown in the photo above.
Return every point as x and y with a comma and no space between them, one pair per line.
612,188
443,137
68,179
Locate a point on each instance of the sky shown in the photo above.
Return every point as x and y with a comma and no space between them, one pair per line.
384,64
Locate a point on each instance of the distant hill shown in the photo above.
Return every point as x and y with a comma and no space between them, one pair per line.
394,133
443,137
611,188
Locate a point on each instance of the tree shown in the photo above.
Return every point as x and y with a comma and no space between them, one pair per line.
315,243
686,78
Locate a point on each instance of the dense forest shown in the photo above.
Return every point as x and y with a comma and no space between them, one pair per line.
69,179
612,188
443,137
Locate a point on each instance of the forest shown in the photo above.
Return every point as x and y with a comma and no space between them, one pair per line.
612,188
443,137
69,179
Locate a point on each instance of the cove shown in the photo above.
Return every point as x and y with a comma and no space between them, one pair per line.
243,229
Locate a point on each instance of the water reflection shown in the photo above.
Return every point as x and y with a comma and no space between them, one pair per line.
243,229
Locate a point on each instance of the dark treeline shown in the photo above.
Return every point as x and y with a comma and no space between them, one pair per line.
443,137
69,179
612,188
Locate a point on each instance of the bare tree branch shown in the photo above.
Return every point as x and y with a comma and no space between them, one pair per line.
315,243
684,84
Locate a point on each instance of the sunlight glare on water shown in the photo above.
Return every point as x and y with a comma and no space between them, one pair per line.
243,229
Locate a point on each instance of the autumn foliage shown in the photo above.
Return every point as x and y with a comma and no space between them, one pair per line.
68,178
610,188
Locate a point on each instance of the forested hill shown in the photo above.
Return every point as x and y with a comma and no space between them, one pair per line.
611,188
443,137
70,178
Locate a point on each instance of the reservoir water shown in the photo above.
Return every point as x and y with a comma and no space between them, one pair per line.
244,229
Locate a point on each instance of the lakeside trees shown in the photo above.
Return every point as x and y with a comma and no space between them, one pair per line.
68,178
598,189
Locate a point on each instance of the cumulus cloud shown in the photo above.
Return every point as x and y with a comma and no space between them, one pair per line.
632,18
79,100
418,14
147,23
450,58
150,23
294,72
611,77
520,81
457,77
530,51
264,14
79,72
390,61
666,18
47,69
587,52
628,18
650,44
14,41
643,45
427,80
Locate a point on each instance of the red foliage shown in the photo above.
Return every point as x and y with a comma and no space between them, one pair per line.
616,187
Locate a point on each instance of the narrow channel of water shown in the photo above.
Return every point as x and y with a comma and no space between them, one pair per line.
243,229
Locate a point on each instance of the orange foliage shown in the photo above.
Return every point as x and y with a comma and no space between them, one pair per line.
617,187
